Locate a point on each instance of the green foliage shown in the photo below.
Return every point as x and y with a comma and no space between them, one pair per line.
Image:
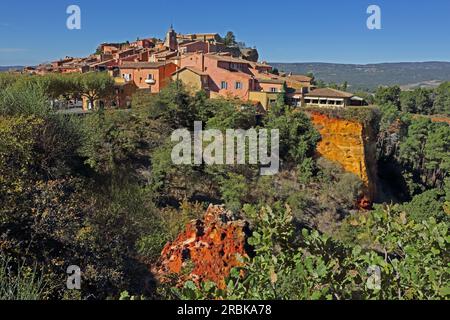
415,253
412,259
298,137
415,147
424,152
368,115
94,86
234,189
229,115
120,143
172,106
20,282
417,101
426,205
388,95
306,170
230,39
442,101
24,98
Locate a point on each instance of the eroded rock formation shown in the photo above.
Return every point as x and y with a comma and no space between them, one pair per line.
351,144
207,250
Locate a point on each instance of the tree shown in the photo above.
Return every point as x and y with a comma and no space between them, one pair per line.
230,39
234,189
386,95
424,102
426,205
95,86
442,101
408,102
313,78
298,136
412,149
437,153
416,101
275,71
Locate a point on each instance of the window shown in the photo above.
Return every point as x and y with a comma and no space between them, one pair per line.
224,85
273,90
150,77
238,85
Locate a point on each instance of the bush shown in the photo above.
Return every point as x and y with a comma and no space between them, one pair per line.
18,282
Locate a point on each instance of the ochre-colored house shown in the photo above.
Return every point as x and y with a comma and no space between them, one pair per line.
194,79
227,76
148,75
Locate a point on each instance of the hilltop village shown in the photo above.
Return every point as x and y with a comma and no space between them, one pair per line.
219,66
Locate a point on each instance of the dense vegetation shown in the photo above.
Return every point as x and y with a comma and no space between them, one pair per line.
101,192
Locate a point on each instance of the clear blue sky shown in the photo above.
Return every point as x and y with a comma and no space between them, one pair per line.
284,31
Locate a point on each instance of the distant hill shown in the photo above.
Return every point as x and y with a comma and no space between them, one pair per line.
369,76
7,68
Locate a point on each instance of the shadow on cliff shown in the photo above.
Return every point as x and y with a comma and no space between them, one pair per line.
392,185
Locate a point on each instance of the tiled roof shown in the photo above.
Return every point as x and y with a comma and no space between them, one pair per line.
189,43
195,70
299,77
228,59
329,93
271,80
258,64
142,65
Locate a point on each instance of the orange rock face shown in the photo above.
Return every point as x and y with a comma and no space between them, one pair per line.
351,145
207,250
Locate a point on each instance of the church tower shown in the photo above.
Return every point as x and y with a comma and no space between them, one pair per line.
171,39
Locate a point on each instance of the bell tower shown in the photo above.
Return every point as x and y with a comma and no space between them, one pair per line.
171,41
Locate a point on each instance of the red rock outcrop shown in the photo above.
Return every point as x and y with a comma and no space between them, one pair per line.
207,250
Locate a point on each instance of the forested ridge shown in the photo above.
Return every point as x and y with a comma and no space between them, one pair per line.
100,191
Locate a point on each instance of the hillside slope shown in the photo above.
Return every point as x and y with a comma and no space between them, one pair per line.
370,76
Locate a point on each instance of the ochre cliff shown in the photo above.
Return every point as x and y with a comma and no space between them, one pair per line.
207,250
351,144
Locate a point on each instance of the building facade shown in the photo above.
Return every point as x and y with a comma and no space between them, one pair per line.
148,75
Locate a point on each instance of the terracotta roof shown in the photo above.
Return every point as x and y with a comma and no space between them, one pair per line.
101,63
186,43
329,93
258,64
269,80
142,65
299,77
195,70
228,59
